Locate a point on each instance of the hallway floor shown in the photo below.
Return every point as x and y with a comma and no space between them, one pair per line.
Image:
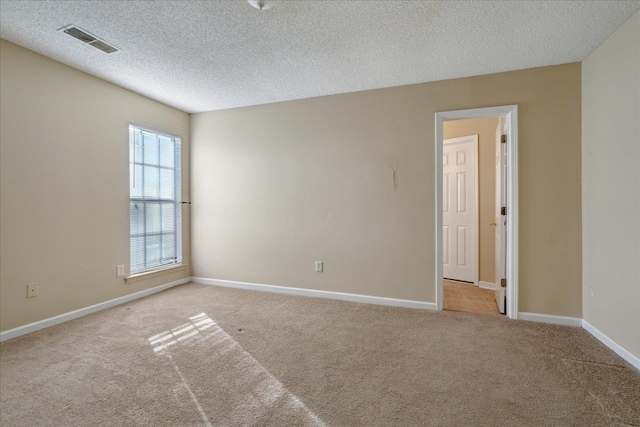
464,296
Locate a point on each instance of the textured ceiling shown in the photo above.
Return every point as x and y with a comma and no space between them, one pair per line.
209,55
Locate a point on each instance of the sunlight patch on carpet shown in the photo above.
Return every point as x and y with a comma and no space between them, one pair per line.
221,378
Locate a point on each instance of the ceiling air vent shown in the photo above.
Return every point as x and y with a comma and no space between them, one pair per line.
90,39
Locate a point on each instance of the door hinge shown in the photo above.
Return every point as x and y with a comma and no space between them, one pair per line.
503,283
503,210
503,138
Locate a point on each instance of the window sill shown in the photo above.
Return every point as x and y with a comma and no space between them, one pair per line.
155,273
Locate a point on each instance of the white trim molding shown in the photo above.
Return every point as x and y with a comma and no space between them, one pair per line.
367,299
511,113
617,348
156,273
487,285
549,318
52,321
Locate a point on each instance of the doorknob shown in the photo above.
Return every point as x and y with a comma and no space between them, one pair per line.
493,223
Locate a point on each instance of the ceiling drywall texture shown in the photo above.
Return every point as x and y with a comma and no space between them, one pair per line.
208,55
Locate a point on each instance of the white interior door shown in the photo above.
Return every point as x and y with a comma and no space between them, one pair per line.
501,219
460,209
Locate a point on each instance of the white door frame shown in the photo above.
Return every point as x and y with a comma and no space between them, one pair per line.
511,113
473,139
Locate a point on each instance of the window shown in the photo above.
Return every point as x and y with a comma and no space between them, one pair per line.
154,200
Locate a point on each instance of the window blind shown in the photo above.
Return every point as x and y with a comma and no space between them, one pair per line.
154,200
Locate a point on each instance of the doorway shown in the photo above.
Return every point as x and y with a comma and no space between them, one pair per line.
456,224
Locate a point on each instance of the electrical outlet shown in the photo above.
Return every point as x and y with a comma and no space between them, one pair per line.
319,266
120,270
32,290
592,291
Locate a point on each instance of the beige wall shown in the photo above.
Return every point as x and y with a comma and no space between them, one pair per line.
64,185
611,186
486,131
278,186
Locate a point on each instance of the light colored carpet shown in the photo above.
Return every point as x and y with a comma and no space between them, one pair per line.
198,355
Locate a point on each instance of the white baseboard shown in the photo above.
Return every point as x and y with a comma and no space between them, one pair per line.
548,318
36,326
318,294
532,317
487,285
621,351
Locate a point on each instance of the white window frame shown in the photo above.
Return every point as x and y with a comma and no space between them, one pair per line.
176,200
